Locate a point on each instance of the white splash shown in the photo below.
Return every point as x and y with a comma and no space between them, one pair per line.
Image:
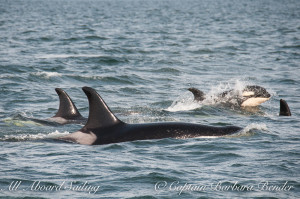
24,137
257,126
247,130
47,75
202,137
212,97
184,103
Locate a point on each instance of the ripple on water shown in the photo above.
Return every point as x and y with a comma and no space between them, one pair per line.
167,70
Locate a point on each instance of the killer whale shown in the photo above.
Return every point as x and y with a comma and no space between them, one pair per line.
284,108
251,95
103,127
67,112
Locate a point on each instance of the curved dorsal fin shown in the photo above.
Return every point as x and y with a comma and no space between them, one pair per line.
284,108
67,108
100,115
198,95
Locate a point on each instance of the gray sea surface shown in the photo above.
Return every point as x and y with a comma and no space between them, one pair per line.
141,57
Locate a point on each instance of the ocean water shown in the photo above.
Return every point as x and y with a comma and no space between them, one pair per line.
141,56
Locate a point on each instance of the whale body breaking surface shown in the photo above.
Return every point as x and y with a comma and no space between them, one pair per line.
103,127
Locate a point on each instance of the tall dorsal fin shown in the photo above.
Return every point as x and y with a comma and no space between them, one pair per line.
198,95
284,108
100,115
67,108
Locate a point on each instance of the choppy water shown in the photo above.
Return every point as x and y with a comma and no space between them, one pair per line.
141,56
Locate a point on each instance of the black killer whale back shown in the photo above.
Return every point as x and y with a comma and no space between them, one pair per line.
284,108
67,109
100,115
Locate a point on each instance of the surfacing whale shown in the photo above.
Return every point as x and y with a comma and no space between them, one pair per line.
284,108
67,112
103,127
251,96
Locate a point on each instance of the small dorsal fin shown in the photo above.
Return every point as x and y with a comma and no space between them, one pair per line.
198,95
284,108
100,115
67,108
